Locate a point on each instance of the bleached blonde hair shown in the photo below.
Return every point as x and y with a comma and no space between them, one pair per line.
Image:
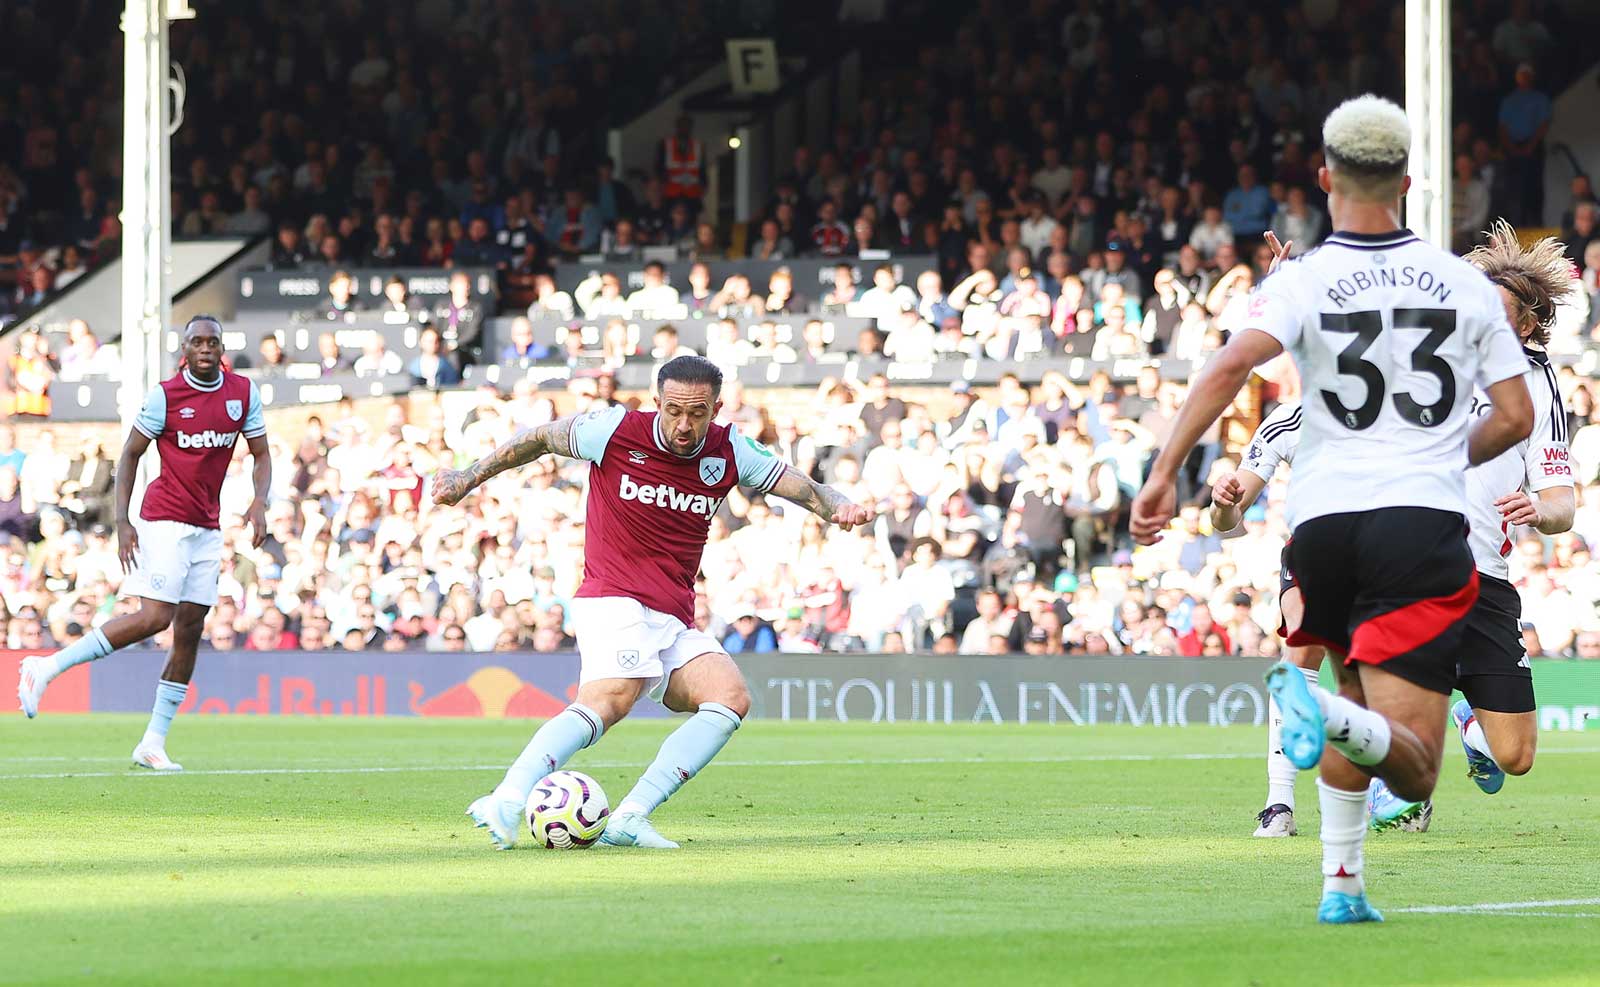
1366,141
1538,277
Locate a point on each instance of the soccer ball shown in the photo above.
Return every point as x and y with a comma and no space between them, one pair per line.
567,811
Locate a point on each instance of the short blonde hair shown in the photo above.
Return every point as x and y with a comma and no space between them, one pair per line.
1366,141
1537,277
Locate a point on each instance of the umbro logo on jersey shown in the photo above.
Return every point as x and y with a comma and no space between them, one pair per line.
637,457
185,413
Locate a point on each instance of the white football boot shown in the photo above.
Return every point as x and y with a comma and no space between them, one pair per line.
501,816
31,681
155,759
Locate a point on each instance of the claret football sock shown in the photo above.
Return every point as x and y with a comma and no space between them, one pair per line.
552,746
1358,733
1344,830
1281,772
683,754
90,647
169,696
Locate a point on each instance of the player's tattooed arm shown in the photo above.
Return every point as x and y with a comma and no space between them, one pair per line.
449,486
821,499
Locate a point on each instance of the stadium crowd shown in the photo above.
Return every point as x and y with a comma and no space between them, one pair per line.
1002,531
1069,211
344,135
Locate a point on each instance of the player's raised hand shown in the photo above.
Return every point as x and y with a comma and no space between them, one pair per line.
1279,250
127,546
1227,492
1518,508
848,515
1152,510
449,486
256,516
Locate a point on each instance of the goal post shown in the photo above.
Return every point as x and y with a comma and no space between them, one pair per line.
1428,108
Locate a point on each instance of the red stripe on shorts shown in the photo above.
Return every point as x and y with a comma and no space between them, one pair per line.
1411,626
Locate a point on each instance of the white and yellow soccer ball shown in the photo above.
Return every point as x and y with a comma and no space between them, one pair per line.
567,811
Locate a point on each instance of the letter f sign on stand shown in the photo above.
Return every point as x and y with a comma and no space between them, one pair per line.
752,65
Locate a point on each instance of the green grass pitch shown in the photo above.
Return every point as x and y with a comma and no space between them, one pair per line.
302,851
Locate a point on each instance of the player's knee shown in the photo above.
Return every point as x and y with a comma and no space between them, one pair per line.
1518,760
1416,788
736,696
156,616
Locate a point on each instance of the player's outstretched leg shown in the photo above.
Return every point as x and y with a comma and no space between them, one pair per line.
713,687
1481,765
37,671
563,735
1277,816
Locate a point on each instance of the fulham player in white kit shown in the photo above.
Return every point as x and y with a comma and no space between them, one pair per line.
1273,445
1530,485
655,481
173,553
1390,336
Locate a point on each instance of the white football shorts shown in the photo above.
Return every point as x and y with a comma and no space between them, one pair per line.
177,563
621,638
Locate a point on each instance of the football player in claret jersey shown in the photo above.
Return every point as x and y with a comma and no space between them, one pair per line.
173,553
1530,484
1390,336
655,481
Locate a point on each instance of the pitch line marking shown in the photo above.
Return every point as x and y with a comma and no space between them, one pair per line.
792,763
1515,908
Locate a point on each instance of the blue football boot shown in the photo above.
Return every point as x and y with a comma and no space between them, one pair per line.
1480,767
1304,733
1338,908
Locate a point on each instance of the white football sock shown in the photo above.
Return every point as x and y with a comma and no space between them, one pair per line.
1344,831
1358,733
1473,735
1281,772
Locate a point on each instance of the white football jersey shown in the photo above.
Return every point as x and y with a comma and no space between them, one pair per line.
1390,335
1537,463
1274,442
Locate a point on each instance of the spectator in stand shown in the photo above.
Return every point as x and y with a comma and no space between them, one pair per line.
844,293
1524,121
1469,205
1211,233
771,244
884,301
432,367
479,248
1248,206
574,227
272,361
29,374
781,296
341,300
549,302
829,237
330,360
522,347
655,297
376,360
748,633
1299,225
